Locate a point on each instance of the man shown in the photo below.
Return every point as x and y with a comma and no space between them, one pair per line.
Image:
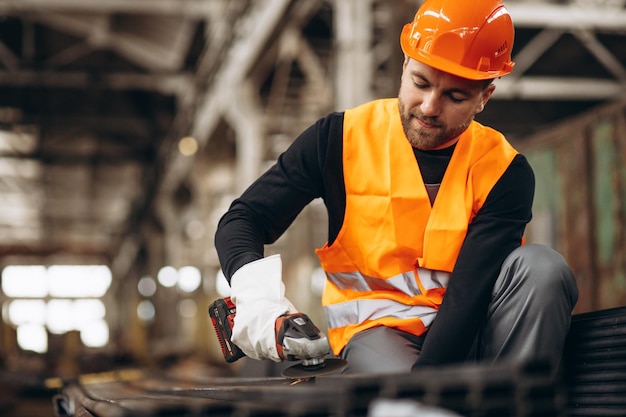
427,208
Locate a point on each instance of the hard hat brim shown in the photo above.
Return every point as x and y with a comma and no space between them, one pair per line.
446,65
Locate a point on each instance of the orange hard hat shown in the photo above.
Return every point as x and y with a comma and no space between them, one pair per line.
469,39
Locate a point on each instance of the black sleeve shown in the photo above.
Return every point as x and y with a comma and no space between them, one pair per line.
496,230
267,208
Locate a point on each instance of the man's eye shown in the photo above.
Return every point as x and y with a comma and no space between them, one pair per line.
456,99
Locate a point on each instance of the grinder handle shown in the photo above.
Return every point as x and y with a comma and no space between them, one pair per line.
294,326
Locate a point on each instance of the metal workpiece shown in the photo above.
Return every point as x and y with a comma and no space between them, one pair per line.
507,390
524,389
590,380
152,393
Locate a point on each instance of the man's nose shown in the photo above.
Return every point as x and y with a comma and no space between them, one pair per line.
431,105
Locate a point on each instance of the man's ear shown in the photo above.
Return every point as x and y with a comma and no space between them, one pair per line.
404,64
486,95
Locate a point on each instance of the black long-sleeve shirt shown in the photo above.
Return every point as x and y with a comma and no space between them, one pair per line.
312,167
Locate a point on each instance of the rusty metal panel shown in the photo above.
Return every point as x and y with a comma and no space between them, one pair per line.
546,204
607,208
576,216
580,200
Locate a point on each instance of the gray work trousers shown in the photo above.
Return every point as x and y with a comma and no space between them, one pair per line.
528,318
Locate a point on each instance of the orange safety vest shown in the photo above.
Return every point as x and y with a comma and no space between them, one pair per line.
391,261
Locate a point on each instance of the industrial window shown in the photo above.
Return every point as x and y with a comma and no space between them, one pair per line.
40,300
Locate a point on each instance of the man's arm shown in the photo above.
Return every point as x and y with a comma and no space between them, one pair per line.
267,208
495,231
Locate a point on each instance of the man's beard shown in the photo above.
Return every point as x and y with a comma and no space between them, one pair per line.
424,139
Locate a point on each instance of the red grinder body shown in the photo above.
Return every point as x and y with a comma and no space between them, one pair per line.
222,313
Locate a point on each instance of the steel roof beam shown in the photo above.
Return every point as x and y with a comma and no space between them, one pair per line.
166,84
571,16
557,88
192,8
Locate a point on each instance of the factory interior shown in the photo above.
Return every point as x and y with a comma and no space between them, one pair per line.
127,127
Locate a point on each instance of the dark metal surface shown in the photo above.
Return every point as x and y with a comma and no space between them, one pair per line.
594,364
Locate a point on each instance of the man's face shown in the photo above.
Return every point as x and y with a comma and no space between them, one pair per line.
435,106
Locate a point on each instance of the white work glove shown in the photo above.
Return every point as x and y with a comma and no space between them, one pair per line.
258,292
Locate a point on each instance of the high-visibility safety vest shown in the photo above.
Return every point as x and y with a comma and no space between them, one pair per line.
391,261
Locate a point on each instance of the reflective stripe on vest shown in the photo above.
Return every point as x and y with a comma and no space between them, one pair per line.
405,282
361,311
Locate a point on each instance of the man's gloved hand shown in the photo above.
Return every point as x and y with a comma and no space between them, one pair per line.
258,292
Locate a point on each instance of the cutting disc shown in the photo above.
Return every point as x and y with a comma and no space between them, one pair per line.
301,371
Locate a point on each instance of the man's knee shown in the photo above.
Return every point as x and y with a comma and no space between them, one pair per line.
543,268
381,350
530,311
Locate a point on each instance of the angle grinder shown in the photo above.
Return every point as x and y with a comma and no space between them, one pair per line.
297,339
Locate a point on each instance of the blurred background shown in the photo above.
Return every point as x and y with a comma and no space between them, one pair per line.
128,126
